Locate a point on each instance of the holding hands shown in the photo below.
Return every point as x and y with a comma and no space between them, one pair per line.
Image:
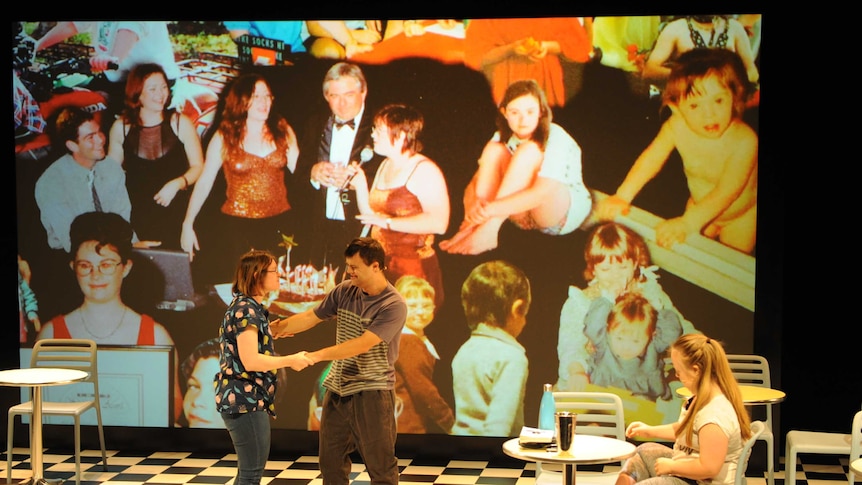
479,213
279,328
300,360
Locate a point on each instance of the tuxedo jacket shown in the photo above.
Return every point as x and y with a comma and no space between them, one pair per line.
314,147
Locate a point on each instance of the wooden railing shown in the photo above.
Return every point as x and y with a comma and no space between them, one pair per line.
704,262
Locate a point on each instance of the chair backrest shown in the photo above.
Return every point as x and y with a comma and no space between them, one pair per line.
856,437
77,354
757,428
752,370
598,413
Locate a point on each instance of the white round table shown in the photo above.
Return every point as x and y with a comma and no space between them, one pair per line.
37,378
586,449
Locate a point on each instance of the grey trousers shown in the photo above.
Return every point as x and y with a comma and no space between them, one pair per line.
363,422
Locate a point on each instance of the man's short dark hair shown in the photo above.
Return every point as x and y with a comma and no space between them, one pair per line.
66,125
369,249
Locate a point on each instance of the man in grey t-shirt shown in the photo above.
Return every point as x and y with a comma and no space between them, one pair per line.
359,404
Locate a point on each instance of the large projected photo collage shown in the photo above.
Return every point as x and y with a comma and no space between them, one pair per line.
603,168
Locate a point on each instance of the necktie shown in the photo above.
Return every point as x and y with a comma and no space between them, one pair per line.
91,178
350,123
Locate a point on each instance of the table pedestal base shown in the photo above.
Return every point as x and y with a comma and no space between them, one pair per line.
568,474
42,481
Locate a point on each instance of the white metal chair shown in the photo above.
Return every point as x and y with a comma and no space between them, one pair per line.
598,413
753,370
69,354
757,430
823,443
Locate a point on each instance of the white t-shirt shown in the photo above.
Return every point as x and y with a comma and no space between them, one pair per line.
154,45
718,411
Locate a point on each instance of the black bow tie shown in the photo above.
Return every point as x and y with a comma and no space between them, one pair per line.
350,123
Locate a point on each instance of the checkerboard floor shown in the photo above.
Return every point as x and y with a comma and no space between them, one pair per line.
171,468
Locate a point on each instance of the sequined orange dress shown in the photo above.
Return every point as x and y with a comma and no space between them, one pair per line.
255,213
411,254
255,185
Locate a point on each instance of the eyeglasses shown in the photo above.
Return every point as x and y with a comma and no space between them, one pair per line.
107,267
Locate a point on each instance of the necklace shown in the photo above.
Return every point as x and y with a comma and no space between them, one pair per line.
698,41
101,337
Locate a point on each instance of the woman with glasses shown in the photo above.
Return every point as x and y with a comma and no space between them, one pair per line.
101,260
247,380
407,202
253,145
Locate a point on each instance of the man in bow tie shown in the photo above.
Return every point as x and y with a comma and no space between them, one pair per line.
332,140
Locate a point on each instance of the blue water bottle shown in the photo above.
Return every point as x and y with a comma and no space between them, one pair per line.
547,408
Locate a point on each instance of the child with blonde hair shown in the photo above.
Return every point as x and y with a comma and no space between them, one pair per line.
706,93
424,409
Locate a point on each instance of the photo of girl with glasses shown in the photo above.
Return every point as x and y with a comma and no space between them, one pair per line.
101,260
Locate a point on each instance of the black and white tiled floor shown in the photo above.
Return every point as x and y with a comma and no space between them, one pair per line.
171,468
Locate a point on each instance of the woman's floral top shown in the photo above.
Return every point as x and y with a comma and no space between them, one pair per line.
237,390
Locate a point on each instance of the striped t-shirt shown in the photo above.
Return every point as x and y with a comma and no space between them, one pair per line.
384,315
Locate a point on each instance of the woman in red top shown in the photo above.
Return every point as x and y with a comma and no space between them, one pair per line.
407,203
101,259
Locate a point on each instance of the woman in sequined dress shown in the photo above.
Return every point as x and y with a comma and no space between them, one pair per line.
252,146
408,202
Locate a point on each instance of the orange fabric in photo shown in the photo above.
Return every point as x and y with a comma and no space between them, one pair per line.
484,35
446,49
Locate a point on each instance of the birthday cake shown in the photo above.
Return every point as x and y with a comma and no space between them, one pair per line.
301,287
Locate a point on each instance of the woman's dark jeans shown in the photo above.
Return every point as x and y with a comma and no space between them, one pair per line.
250,433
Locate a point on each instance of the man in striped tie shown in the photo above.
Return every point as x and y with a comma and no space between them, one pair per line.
82,180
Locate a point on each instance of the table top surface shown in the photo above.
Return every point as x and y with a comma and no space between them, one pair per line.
586,449
750,394
40,376
856,466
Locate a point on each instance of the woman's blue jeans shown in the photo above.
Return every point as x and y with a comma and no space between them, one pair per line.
250,433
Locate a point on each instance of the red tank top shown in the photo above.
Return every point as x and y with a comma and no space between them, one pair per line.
146,334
